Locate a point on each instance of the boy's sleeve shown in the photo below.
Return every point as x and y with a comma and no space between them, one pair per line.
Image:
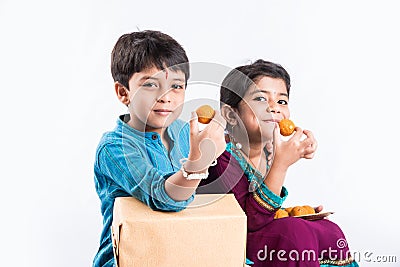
126,167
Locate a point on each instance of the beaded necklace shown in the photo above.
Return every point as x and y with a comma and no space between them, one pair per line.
254,177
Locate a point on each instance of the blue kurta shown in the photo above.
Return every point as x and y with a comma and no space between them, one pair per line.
133,163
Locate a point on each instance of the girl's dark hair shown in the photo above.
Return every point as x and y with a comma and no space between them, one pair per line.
138,51
238,80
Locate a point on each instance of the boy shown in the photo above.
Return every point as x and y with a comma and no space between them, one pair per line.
143,156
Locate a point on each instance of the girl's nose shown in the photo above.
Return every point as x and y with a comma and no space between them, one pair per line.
273,108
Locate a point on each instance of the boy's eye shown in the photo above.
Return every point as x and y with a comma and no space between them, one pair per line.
282,102
149,84
260,98
177,86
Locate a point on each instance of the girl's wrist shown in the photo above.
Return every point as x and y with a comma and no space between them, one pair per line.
279,167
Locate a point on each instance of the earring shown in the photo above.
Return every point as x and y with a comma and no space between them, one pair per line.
237,144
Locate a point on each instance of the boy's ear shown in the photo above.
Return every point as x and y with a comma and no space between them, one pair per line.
122,93
229,114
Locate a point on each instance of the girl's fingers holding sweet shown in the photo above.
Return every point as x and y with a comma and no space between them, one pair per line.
309,156
314,145
310,135
298,133
308,142
310,149
310,145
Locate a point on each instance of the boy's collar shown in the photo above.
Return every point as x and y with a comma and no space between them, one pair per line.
123,121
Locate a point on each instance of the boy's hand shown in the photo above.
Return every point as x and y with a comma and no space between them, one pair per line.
205,145
288,152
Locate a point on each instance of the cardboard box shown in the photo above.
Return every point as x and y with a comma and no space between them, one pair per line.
210,232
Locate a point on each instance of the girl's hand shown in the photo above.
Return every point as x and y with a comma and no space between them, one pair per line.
310,151
288,152
318,209
270,148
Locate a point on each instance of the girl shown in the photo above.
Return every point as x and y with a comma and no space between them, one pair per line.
254,98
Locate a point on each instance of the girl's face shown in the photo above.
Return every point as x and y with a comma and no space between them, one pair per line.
263,106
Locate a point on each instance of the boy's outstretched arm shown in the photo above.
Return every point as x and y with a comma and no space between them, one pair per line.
122,169
205,147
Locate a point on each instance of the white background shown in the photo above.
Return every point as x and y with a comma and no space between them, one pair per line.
57,99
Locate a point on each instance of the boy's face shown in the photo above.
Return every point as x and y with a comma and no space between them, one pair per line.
156,98
264,105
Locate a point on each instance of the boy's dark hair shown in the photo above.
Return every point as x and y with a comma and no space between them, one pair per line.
238,80
138,51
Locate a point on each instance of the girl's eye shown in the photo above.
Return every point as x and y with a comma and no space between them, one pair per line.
282,102
260,98
177,86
